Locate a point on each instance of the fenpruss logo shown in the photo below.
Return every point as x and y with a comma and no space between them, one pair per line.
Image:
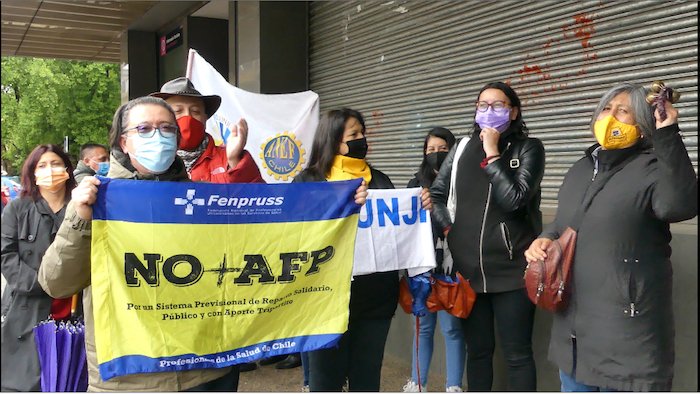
189,202
215,200
282,156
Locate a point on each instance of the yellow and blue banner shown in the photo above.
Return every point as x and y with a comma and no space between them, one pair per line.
199,275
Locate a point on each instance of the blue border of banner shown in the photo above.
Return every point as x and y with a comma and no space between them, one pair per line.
233,203
134,364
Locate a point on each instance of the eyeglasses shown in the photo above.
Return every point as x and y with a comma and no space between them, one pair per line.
145,130
498,106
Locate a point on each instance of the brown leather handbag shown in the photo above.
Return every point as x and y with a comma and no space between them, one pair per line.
547,281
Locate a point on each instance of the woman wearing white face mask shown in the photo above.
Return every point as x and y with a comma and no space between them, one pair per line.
618,331
143,141
29,225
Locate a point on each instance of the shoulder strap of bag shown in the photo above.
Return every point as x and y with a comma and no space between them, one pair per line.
591,193
452,195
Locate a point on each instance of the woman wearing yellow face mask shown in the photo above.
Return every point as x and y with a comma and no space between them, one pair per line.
617,332
29,225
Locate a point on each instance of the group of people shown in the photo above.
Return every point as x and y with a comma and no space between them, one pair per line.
484,194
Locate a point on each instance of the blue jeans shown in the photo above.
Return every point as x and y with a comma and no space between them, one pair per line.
455,350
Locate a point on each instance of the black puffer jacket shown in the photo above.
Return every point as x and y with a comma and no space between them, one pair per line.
372,296
621,311
497,214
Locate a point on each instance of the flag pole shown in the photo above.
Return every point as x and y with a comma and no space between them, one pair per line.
190,59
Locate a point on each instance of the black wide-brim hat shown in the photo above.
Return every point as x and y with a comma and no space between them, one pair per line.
183,87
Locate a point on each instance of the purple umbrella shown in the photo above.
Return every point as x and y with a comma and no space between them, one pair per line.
45,338
62,356
78,382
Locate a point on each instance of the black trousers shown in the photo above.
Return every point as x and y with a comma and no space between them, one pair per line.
228,382
514,316
358,357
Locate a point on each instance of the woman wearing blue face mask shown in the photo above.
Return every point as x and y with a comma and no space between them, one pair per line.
486,199
143,140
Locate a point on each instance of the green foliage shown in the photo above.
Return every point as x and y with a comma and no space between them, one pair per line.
44,100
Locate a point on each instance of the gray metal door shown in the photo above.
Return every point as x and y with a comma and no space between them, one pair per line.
411,65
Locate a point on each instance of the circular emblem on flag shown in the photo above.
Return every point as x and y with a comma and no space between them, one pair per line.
282,155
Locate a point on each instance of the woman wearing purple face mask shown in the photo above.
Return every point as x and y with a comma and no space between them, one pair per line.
486,199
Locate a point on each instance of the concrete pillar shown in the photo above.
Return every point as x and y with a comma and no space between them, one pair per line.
139,67
271,46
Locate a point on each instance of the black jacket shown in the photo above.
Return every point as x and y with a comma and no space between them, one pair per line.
28,228
372,296
498,212
621,310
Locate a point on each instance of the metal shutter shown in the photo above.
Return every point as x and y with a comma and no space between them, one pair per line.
412,65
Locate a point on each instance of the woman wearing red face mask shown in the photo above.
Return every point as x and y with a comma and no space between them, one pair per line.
29,225
204,161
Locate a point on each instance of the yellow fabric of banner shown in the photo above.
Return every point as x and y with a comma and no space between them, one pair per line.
166,290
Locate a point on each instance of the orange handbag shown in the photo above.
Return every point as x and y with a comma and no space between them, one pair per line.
457,298
405,297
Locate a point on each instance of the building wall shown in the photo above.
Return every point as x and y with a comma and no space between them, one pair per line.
412,65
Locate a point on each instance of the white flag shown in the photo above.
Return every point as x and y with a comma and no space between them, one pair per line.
281,127
394,233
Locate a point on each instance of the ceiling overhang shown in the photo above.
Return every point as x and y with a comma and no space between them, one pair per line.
79,30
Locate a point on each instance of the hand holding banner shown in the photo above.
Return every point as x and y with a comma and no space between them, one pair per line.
199,275
394,233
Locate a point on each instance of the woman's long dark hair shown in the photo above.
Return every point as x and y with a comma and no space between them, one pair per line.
29,187
517,125
426,175
328,136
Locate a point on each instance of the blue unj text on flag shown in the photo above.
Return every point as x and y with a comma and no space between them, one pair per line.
385,211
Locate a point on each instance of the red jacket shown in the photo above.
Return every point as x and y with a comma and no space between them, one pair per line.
212,166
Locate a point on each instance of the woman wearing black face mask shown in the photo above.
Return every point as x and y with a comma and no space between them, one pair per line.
338,153
437,144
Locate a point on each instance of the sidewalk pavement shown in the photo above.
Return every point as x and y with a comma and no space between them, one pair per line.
267,379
